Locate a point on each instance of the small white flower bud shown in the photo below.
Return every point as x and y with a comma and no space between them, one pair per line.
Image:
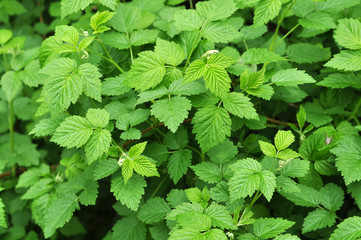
86,34
230,235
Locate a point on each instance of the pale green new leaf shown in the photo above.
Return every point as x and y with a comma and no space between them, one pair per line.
70,6
171,52
98,19
128,193
348,60
217,80
58,213
195,71
211,125
244,183
318,219
266,10
98,144
220,216
126,18
98,117
266,228
141,37
186,89
318,21
341,80
188,20
74,131
239,105
178,164
194,220
208,172
137,149
154,210
146,72
283,139
216,10
348,161
5,35
267,148
171,111
349,229
348,33
248,163
144,167
291,77
296,168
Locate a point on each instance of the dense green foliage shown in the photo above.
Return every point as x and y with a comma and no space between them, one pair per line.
181,120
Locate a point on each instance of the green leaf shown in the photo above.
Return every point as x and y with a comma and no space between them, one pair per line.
260,55
239,105
332,197
90,193
146,72
221,60
63,86
348,229
267,148
186,89
2,212
341,80
129,228
188,20
219,32
291,77
348,152
223,152
266,10
105,167
154,210
128,193
150,95
114,86
11,85
267,184
194,195
98,117
74,131
287,185
178,164
171,111
58,213
286,237
348,33
109,3
141,37
98,144
307,197
144,167
270,227
318,21
98,19
220,216
39,188
307,53
194,220
171,52
283,139
195,71
211,125
137,149
216,10
217,80
126,18
208,172
90,76
5,36
244,183
248,163
318,219
70,6
296,168
333,6
348,60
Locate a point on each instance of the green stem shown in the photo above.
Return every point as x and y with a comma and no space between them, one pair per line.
159,185
191,4
196,151
245,44
274,161
4,57
11,119
130,48
286,35
192,50
354,112
109,60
